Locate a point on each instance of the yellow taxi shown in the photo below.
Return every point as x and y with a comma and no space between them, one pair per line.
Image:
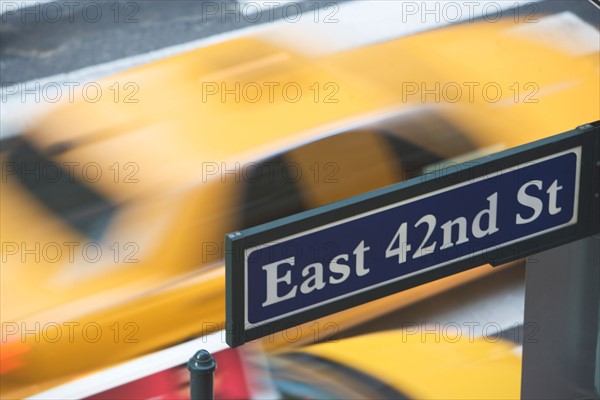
397,364
114,209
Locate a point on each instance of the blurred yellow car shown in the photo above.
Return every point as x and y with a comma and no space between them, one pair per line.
400,365
114,211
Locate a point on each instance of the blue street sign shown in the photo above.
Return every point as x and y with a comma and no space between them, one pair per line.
490,210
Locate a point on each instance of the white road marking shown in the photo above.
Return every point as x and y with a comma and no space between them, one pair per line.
565,32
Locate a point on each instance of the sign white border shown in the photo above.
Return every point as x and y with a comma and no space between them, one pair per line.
573,220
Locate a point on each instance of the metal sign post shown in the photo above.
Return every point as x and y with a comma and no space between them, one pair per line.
491,210
562,310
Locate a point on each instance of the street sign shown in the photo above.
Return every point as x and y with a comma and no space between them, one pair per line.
491,210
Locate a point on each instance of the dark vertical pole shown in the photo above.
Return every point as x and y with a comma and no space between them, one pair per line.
562,306
202,367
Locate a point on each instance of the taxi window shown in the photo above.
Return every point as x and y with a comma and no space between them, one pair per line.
307,376
269,193
45,179
347,164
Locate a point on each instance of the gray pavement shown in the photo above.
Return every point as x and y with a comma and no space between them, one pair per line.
49,38
54,37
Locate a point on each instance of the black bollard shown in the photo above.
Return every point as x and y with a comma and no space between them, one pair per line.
202,367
